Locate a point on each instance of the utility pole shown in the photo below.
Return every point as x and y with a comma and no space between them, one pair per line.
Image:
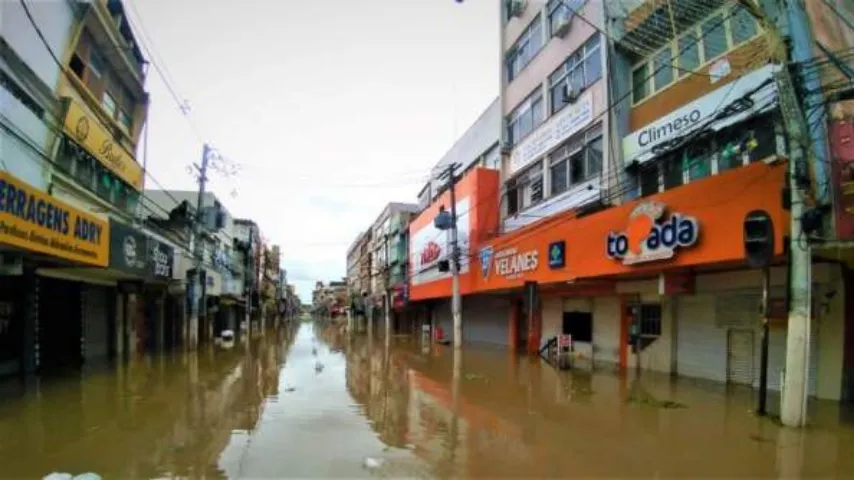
456,301
195,281
793,397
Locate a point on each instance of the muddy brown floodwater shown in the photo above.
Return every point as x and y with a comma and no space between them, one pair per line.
308,401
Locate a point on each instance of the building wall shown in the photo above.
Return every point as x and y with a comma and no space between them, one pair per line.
553,53
54,19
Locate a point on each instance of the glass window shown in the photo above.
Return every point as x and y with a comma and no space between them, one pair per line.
109,104
714,37
533,188
527,116
640,83
559,176
525,48
689,53
697,160
577,170
662,66
742,25
580,70
492,159
96,64
594,157
105,183
125,119
672,172
83,171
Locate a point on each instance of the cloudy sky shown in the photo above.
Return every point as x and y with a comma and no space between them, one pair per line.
331,108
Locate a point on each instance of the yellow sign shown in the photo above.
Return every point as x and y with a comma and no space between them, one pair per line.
92,136
33,220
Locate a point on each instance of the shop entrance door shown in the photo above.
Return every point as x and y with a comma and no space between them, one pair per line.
740,357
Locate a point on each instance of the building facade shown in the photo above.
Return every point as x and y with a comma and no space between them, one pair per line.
74,105
635,142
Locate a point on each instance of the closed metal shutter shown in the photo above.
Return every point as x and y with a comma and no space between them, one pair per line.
740,356
777,359
95,321
486,319
701,344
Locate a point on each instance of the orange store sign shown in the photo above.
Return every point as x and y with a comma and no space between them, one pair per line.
650,236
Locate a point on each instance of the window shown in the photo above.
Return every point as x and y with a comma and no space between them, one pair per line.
525,189
672,172
11,86
512,197
579,71
648,179
109,104
742,25
714,37
662,65
640,84
579,325
576,161
525,48
89,66
688,48
697,159
650,320
525,118
699,45
559,174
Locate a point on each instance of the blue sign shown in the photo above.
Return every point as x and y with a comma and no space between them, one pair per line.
557,254
485,260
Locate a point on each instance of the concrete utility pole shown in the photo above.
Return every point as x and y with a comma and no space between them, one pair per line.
194,284
794,392
456,301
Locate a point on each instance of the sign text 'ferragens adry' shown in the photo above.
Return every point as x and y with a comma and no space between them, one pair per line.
53,227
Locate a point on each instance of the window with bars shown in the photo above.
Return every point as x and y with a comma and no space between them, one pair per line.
704,43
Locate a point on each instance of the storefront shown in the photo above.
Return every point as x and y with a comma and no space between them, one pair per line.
145,265
429,253
38,232
669,269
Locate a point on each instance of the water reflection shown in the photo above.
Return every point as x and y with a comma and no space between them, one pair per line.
486,414
314,402
159,416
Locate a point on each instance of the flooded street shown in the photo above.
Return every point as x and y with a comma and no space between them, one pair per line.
309,402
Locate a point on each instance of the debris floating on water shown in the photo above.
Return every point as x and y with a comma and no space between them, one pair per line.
373,463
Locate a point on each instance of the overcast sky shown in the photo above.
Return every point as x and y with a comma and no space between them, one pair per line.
332,108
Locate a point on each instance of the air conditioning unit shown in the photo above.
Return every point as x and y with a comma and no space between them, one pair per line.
515,8
563,22
570,93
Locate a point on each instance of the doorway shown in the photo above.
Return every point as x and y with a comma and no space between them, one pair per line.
60,325
521,327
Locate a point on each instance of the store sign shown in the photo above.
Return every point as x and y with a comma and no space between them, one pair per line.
511,263
161,259
430,253
557,254
128,249
566,123
485,260
651,236
695,114
33,220
98,142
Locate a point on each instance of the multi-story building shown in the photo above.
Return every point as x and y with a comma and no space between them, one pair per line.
74,105
387,268
223,290
638,136
248,241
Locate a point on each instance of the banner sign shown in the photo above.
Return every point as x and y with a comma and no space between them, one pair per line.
33,220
